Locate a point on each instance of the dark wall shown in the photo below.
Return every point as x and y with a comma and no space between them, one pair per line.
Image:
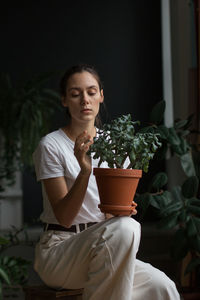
121,38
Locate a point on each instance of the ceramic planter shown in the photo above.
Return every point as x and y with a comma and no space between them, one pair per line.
117,189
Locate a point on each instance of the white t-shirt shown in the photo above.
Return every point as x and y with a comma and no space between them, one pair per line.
54,157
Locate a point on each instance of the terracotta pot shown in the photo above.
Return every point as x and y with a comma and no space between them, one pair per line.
117,189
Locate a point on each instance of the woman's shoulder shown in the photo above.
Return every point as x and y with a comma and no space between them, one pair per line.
54,135
50,141
55,142
53,139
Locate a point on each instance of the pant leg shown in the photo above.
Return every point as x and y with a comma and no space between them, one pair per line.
152,284
101,259
111,269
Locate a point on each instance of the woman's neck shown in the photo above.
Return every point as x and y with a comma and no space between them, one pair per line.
73,131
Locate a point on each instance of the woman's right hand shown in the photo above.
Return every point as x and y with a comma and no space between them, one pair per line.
82,145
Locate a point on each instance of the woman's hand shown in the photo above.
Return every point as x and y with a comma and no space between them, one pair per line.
134,212
82,145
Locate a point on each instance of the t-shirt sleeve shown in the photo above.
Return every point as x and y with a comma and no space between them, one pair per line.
47,161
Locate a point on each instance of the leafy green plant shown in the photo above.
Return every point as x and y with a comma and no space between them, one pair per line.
13,270
25,114
13,273
118,141
178,208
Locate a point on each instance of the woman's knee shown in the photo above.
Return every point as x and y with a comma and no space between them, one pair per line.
128,224
126,229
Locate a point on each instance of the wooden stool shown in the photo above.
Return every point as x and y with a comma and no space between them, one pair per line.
43,292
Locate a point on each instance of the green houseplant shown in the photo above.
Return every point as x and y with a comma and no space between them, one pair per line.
14,270
26,110
178,206
126,153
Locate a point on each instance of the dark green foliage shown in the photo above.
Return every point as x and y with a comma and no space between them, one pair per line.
187,163
190,187
159,180
25,115
157,113
13,270
118,142
178,209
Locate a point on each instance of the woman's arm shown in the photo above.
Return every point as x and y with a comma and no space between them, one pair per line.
67,203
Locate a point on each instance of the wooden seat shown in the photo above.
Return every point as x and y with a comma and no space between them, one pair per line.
43,292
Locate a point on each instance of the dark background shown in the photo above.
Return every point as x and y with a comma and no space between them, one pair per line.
121,38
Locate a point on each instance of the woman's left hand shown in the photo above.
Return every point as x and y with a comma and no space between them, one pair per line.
134,212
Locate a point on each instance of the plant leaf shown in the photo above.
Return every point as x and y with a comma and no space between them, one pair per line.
194,201
191,227
194,209
180,124
187,164
163,131
159,180
3,241
4,275
172,208
168,222
154,202
196,160
173,138
157,113
190,187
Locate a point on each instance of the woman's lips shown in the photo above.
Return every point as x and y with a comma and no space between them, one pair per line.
86,110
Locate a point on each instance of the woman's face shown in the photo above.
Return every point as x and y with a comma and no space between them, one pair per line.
83,97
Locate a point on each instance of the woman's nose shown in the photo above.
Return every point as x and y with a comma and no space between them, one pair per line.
84,98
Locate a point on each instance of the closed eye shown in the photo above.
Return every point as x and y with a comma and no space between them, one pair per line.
75,95
92,91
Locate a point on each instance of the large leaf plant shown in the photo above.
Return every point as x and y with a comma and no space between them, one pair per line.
179,207
14,270
26,113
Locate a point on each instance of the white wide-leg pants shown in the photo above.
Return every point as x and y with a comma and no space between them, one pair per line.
102,260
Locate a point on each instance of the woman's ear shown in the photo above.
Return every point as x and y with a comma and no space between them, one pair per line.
102,96
64,101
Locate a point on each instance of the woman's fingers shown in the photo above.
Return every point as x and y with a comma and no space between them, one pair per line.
134,203
82,145
83,142
85,145
134,211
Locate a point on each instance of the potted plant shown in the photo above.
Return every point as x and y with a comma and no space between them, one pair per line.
178,206
26,112
127,153
14,270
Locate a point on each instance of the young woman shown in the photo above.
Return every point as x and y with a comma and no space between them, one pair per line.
81,247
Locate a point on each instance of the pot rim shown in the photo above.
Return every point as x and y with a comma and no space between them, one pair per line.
117,172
